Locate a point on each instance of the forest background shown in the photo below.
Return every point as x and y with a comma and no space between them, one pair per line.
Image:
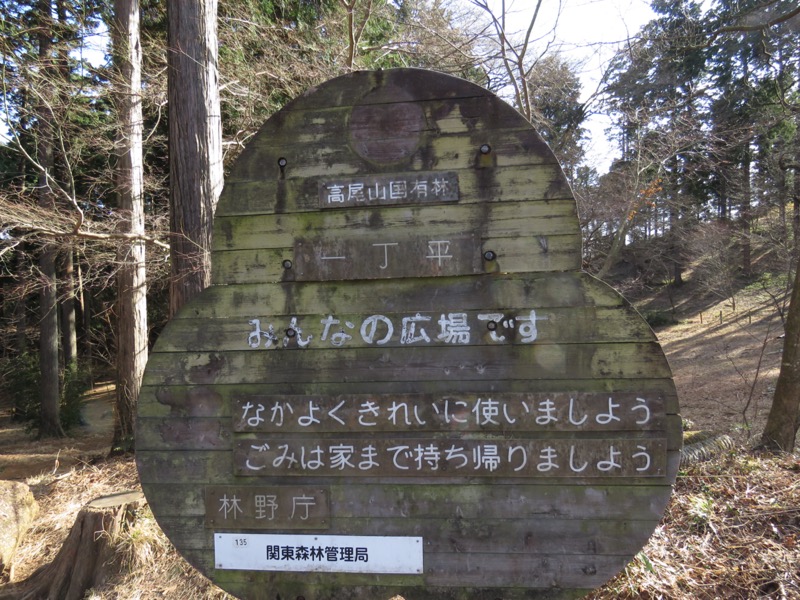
105,211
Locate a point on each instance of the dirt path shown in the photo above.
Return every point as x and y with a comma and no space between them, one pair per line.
23,457
725,364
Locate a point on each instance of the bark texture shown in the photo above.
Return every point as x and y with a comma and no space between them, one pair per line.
195,144
783,420
87,557
131,278
50,424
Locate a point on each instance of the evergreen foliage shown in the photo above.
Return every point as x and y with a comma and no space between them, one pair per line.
705,103
21,384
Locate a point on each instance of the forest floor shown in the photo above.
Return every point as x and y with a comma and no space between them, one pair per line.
732,529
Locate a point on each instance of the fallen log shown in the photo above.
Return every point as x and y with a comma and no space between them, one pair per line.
87,558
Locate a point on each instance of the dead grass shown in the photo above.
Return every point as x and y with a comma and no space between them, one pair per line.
732,530
152,567
725,362
60,497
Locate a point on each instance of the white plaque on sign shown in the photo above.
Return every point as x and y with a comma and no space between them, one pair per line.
318,553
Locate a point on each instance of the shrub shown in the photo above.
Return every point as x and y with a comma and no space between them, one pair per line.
659,318
76,382
21,387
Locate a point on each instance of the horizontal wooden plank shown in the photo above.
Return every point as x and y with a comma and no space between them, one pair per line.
412,363
176,434
251,266
512,536
383,587
534,184
420,84
454,456
537,291
388,587
565,325
394,189
450,413
325,125
267,508
470,501
219,400
572,571
301,588
534,253
216,466
518,540
514,147
512,255
498,220
412,122
486,570
454,413
182,433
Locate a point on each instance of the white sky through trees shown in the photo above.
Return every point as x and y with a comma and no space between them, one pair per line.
587,32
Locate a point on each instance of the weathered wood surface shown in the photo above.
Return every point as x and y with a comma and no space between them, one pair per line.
545,361
193,433
488,535
509,219
436,501
536,184
204,466
537,290
539,253
453,412
509,148
213,400
565,325
460,281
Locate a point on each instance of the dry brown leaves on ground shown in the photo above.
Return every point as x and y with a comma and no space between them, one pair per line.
732,530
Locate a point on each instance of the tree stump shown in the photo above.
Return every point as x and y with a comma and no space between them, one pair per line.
86,558
18,509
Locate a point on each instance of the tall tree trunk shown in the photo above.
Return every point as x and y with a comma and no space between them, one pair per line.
783,200
796,198
783,420
676,223
49,388
8,317
69,341
195,143
21,325
745,208
50,424
69,335
131,278
87,343
796,212
617,244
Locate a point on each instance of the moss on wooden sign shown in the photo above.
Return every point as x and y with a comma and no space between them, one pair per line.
400,381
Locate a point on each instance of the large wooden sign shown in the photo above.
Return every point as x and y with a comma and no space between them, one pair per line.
400,381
